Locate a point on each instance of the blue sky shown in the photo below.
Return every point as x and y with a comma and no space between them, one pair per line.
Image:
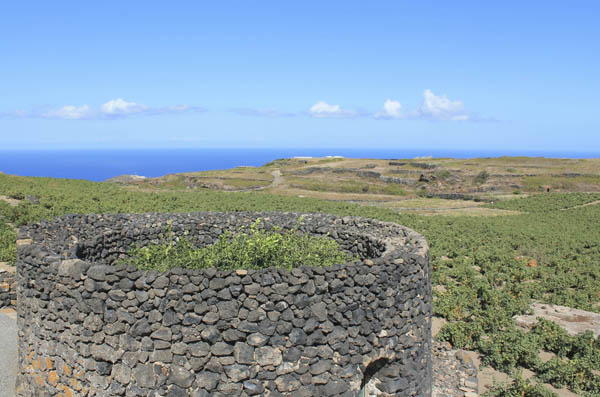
380,74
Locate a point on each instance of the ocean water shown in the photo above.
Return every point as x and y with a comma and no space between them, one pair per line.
99,165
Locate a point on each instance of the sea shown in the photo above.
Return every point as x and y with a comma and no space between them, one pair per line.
101,164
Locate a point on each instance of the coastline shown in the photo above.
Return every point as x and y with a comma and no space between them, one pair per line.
99,164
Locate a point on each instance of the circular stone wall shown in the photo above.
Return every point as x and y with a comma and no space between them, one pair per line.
90,327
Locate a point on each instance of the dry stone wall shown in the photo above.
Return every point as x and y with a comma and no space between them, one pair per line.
8,293
91,327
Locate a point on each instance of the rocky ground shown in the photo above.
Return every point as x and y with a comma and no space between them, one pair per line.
574,321
454,372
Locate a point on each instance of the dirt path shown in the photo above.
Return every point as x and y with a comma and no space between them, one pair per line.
12,202
277,180
8,352
5,267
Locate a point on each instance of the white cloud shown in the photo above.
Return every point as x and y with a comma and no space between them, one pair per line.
391,110
70,112
113,109
441,108
322,109
434,108
119,107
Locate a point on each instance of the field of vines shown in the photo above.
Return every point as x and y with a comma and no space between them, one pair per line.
481,262
547,202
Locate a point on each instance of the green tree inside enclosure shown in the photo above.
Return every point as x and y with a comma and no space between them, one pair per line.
252,249
481,262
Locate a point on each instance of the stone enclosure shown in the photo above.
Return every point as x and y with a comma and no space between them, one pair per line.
91,327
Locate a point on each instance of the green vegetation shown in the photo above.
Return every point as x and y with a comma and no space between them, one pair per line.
346,186
481,262
285,163
541,182
237,178
577,357
519,388
543,203
443,174
8,250
255,249
482,177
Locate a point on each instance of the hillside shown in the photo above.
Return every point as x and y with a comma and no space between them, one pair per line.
460,186
487,269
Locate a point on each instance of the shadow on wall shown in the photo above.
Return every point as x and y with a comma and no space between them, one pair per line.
370,383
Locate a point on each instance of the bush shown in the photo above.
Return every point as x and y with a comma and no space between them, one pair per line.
256,249
443,175
519,388
8,249
482,177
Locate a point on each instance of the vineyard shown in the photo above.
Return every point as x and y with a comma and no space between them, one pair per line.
547,202
482,264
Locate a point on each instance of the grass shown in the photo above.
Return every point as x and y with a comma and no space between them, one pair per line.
451,175
234,179
544,203
340,185
435,206
539,183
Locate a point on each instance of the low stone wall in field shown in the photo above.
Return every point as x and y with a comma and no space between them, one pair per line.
89,326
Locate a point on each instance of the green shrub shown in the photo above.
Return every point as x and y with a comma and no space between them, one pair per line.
519,388
546,202
482,177
255,249
8,249
443,174
509,349
422,193
576,374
